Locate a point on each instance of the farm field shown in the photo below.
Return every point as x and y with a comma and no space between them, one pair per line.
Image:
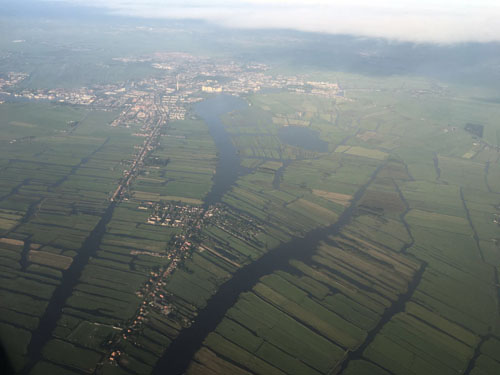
182,166
357,234
55,189
427,215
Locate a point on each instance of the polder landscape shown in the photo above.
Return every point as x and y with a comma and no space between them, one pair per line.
169,208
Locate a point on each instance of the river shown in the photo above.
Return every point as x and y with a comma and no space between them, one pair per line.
228,164
177,357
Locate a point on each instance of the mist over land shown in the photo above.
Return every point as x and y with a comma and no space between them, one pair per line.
407,20
115,28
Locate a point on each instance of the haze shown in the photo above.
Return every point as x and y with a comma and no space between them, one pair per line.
443,22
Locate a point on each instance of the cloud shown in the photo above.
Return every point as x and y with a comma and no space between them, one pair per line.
437,21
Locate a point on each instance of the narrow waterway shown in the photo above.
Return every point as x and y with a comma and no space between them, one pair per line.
486,182
402,217
396,307
477,353
15,189
471,224
435,160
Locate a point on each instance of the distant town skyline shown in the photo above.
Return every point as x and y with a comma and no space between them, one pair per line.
442,21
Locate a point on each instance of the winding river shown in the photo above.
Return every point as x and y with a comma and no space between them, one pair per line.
177,357
228,164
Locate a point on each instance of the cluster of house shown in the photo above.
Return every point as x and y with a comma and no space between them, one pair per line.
175,215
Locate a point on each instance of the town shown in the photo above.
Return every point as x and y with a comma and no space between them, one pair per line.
184,80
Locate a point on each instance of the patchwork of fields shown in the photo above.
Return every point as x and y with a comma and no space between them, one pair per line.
401,279
409,285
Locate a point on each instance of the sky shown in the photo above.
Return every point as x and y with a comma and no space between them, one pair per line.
435,21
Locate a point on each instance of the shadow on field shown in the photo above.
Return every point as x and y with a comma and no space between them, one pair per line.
5,365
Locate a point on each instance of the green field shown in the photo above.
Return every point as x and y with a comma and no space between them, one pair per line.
423,230
402,278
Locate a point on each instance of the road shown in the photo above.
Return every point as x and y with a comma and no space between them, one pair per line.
139,160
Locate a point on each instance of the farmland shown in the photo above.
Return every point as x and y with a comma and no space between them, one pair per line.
396,288
348,230
55,189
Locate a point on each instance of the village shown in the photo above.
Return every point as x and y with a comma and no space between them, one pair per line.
190,220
